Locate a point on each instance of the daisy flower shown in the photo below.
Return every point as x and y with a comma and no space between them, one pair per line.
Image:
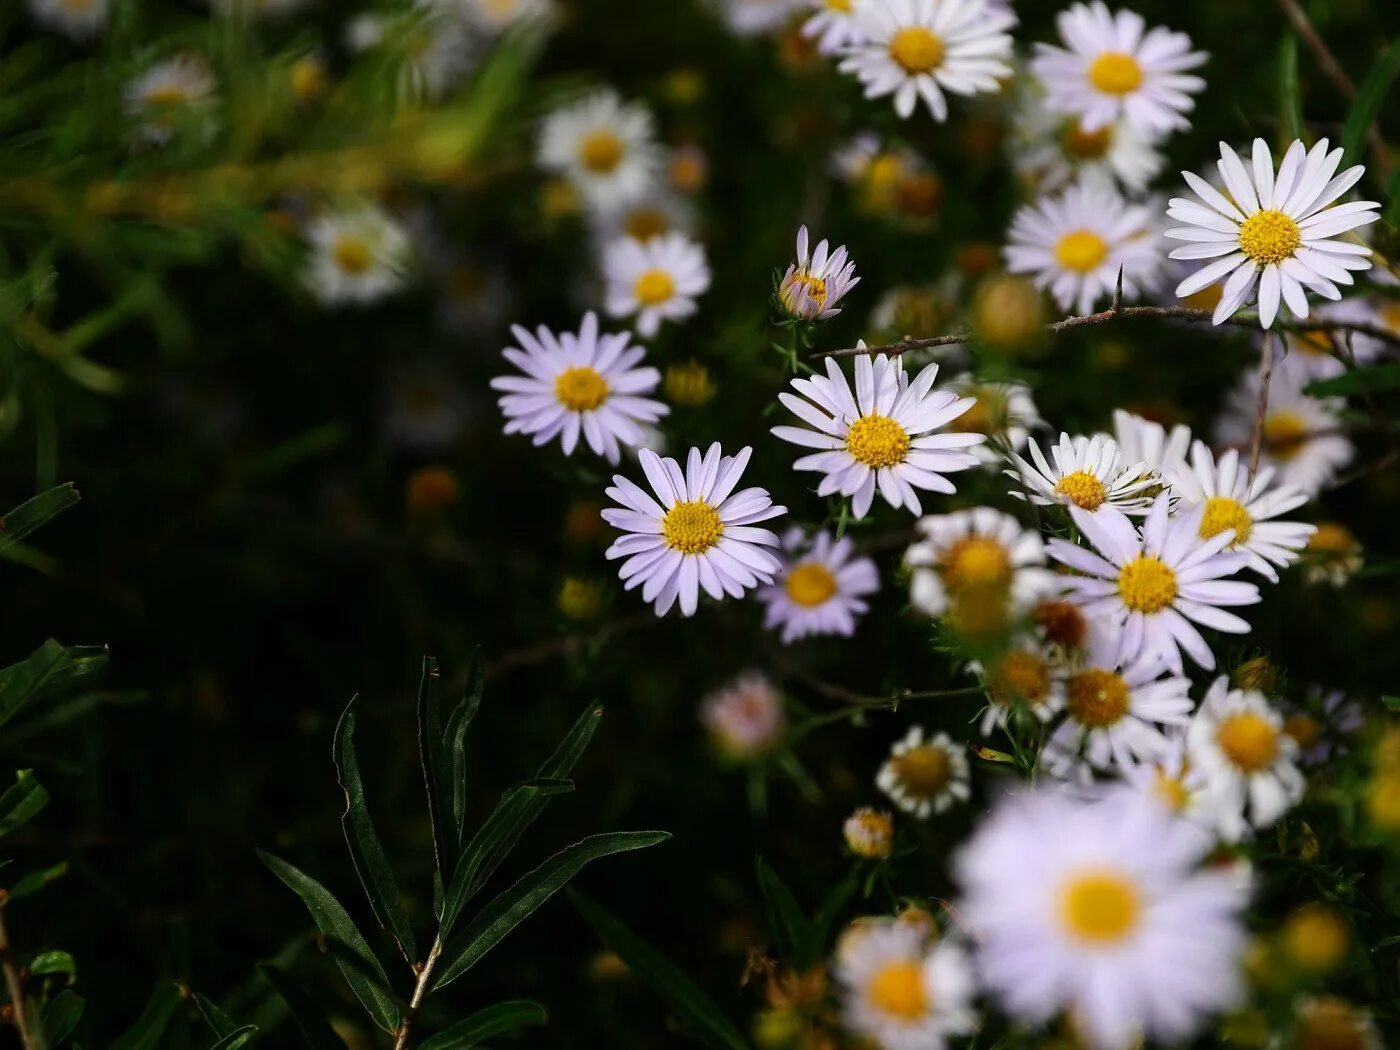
1004,414
899,993
583,383
833,26
493,17
1321,739
1274,230
425,409
882,436
1147,442
1088,473
745,718
919,49
1327,1023
79,19
168,95
604,146
1150,586
924,776
430,46
817,281
1075,243
1053,150
358,255
1170,781
869,832
657,280
1101,909
644,218
1022,679
978,549
1333,555
1311,355
1250,763
754,17
696,533
1112,67
1301,439
1234,500
821,589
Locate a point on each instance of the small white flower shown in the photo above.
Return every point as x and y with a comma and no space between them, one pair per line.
869,832
656,280
1171,782
430,46
79,19
817,281
1075,243
1053,150
170,94
1112,66
584,383
745,718
1277,231
1302,439
1150,586
754,17
493,17
833,26
604,146
700,535
358,255
1004,414
644,218
1250,763
1088,473
919,49
882,436
1022,679
822,587
981,548
1148,442
924,776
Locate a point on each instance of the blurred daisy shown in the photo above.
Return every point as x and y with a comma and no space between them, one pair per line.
79,19
1170,781
656,280
821,589
1237,741
1306,356
882,436
833,26
745,718
493,17
1147,442
168,95
1112,67
1021,679
752,17
1302,440
604,146
1053,151
1327,1023
657,213
1247,505
817,281
1003,413
1333,555
358,255
919,49
425,408
579,384
1318,740
1153,586
976,549
1277,231
924,776
1075,243
1088,473
1100,909
701,533
900,994
430,46
869,832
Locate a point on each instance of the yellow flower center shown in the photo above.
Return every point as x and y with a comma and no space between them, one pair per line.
815,286
1285,434
1062,623
600,151
917,50
1019,676
164,95
1147,585
843,6
580,389
923,771
646,223
1332,538
1097,698
897,989
352,254
1302,728
877,441
1316,937
1269,237
1249,741
1087,145
688,383
691,527
1223,513
1115,73
1390,316
1083,490
1081,251
653,286
1171,790
1099,908
975,561
810,583
1332,1024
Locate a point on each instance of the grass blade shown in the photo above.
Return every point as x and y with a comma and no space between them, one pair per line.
307,1016
33,513
488,1023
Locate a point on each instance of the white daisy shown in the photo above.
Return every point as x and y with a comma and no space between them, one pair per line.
171,94
657,280
429,46
883,436
604,146
1278,231
821,589
1112,66
919,49
700,534
753,17
1250,763
976,549
1328,1023
1170,781
1302,441
1150,586
358,255
644,218
869,832
493,17
1022,679
1101,909
923,776
900,994
79,19
817,281
833,26
1308,356
1004,414
1088,473
584,383
1148,442
745,718
1075,243
1247,505
1052,150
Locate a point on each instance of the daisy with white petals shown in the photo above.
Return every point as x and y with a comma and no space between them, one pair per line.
1148,442
982,548
822,588
696,533
171,94
882,436
577,384
1004,414
1278,231
919,49
924,776
655,280
1302,441
358,255
1022,680
79,19
745,717
1052,150
1170,781
604,146
833,26
817,281
1088,473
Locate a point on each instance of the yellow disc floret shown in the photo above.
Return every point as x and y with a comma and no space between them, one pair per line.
1083,490
653,286
1249,741
877,441
580,389
1223,513
352,254
691,527
1115,73
975,561
1087,145
897,989
1147,584
810,583
1020,675
1081,251
600,151
1285,434
923,771
917,50
1099,908
1097,698
1269,237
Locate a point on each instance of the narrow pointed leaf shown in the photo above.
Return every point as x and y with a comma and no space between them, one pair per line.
61,1016
149,1029
430,735
1367,380
456,756
786,922
371,863
21,802
332,919
1290,103
1369,98
49,668
307,1016
487,1024
512,906
33,513
52,962
234,1040
215,1016
37,880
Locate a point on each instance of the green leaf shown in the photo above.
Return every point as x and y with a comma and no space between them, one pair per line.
702,1017
234,1040
1290,105
332,919
786,921
28,516
443,755
48,669
315,1029
221,1023
1368,102
1392,703
371,864
21,802
61,1016
37,880
51,962
146,1033
1357,381
512,906
456,741
488,1023
819,930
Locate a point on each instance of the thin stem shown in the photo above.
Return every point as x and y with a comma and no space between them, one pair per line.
13,984
420,992
1261,412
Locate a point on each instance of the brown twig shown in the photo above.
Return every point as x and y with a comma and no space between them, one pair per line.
13,984
1261,411
420,992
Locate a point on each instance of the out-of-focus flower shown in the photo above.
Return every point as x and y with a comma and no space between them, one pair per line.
171,94
604,146
821,589
307,78
1003,414
432,47
580,598
1301,439
754,17
1306,356
1089,473
688,383
1020,680
915,311
1315,937
1148,442
656,280
833,26
745,718
688,168
257,8
924,775
1333,555
358,255
79,19
1170,780
1333,1024
493,17
644,218
1008,312
430,489
817,281
1051,150
869,833
426,408
980,550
